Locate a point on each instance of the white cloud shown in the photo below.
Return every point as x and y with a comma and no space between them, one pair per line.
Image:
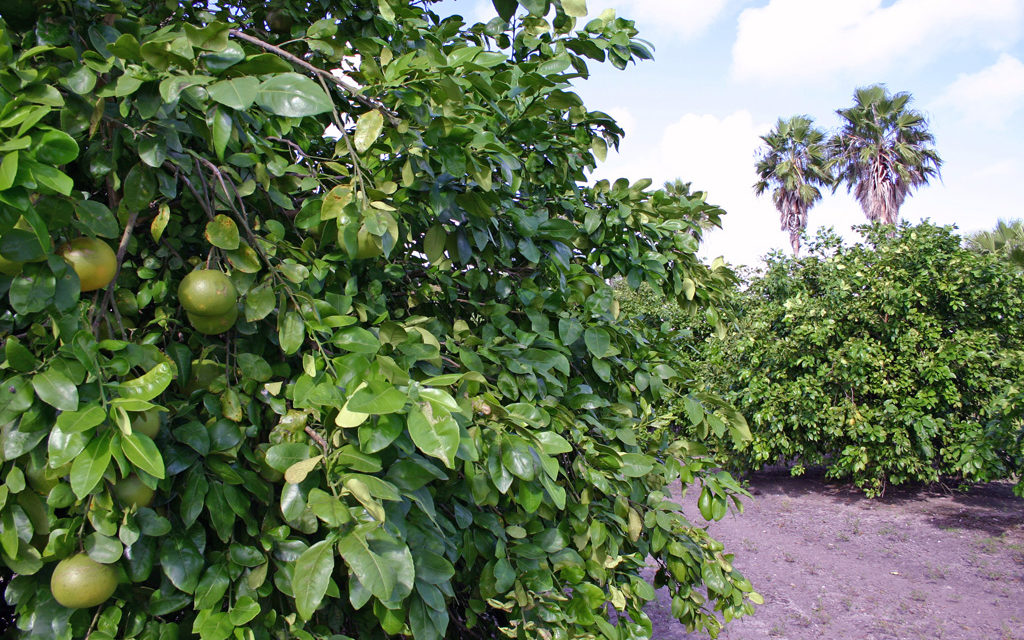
716,154
990,96
802,39
683,18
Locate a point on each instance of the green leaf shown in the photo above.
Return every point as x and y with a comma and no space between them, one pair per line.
54,388
8,170
81,420
636,465
598,341
552,443
245,610
139,188
48,178
97,218
259,302
219,61
282,456
221,125
143,453
293,96
181,561
88,468
18,357
575,8
368,129
222,232
438,438
434,243
331,510
103,549
212,37
371,570
30,292
505,8
244,258
212,587
291,332
334,202
378,398
149,385
357,340
56,148
311,577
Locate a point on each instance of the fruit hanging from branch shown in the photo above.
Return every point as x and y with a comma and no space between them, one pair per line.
93,260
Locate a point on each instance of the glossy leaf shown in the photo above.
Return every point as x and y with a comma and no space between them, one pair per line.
311,576
56,390
143,453
292,95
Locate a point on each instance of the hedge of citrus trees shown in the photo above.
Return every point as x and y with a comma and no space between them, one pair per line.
258,383
895,360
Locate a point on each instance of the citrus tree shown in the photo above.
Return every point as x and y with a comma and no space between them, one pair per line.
895,360
259,382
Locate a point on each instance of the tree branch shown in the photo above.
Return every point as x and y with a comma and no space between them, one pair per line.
294,59
122,248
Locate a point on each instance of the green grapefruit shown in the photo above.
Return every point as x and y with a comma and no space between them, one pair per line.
207,292
213,325
79,582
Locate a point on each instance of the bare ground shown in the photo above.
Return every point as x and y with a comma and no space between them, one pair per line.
923,564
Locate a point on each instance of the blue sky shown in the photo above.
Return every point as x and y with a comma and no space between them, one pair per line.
726,70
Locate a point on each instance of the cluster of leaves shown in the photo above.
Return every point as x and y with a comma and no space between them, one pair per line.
1006,240
424,421
892,361
684,330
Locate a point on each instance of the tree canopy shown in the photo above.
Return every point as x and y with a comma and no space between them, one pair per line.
417,413
793,163
894,360
883,151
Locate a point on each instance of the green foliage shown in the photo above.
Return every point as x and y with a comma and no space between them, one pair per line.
895,360
423,420
1006,240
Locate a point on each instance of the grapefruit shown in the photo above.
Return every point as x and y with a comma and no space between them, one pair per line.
93,260
207,292
79,582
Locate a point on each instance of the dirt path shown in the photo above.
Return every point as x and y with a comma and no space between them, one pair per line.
832,564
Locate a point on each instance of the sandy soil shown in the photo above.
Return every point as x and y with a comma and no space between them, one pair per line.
924,564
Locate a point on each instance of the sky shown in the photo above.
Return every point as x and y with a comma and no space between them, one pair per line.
726,70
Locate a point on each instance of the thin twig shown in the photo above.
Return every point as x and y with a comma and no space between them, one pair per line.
191,187
108,296
294,59
351,149
317,438
242,216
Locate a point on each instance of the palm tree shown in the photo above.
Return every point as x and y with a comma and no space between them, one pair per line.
794,162
883,151
1006,239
